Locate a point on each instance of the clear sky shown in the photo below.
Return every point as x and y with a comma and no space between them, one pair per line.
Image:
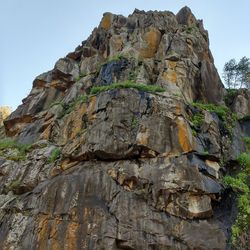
36,33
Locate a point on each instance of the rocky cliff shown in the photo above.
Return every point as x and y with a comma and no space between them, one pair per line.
124,144
4,113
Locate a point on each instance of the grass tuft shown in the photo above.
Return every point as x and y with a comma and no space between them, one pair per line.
68,108
198,120
225,115
20,149
126,84
55,154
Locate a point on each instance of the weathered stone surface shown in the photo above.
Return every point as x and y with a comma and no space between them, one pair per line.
124,168
210,86
126,123
185,16
104,215
4,113
240,103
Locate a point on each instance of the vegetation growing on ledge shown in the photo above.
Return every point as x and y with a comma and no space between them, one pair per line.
227,117
19,150
80,77
126,84
55,154
240,184
244,160
134,122
13,186
247,141
230,95
220,110
245,118
115,58
68,108
197,121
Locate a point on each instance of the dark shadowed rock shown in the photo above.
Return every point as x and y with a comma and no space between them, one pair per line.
210,87
186,17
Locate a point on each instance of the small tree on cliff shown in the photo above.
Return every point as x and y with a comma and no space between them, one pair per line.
237,75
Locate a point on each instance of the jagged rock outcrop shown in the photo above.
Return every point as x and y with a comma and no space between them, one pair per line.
125,168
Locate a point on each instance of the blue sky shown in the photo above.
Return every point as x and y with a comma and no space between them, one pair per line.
36,33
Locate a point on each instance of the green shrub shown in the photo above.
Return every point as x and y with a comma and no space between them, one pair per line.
227,117
240,184
191,29
198,120
7,143
245,118
244,160
230,95
21,149
126,84
55,154
81,99
134,122
247,141
242,222
221,110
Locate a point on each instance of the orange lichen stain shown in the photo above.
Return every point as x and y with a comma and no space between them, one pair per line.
86,212
66,164
143,137
92,108
39,84
207,56
43,232
152,39
71,236
45,135
178,109
76,120
171,64
170,75
55,245
116,43
56,84
106,21
112,173
183,136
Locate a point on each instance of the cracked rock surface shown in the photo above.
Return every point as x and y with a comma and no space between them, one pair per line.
123,168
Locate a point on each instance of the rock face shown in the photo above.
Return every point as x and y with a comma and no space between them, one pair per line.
124,168
4,113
